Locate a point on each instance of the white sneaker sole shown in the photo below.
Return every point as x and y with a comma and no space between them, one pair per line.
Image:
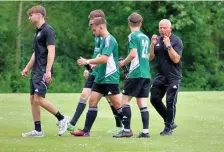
65,128
31,136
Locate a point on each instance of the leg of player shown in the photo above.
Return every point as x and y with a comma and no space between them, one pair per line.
80,108
117,118
126,132
142,104
116,101
37,132
90,116
62,120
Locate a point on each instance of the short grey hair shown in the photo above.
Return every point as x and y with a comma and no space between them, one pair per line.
166,21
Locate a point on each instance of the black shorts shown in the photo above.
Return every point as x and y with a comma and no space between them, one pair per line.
38,84
106,89
137,87
89,82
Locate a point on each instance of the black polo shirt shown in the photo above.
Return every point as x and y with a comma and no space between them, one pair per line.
165,66
43,37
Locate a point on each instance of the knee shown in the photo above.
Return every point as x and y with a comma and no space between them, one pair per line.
35,101
117,104
142,104
38,101
155,99
92,103
84,96
170,104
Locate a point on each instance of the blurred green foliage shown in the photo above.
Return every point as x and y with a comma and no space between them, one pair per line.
199,24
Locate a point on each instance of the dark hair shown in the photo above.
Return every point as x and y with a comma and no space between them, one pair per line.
135,19
98,21
96,13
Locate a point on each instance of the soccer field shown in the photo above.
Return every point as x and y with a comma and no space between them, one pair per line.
200,120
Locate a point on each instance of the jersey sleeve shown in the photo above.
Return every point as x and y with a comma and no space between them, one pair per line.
50,37
178,47
109,46
132,41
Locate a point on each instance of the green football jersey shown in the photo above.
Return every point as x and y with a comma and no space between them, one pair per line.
108,73
139,66
96,52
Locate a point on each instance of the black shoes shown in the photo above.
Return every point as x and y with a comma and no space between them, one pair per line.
174,126
166,132
143,135
123,134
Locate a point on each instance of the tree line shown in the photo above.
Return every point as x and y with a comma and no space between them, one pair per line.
198,24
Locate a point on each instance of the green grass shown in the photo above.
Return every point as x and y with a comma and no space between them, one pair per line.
200,119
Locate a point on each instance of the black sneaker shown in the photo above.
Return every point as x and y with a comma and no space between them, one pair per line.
174,126
123,133
166,132
143,135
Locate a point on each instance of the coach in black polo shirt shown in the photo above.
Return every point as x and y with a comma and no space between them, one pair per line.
41,63
167,48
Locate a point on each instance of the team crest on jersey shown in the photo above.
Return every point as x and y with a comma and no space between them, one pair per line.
38,34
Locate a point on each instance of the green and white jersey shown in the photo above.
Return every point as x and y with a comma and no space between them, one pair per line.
108,73
139,66
96,52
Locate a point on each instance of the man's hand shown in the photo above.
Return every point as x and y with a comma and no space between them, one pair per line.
25,72
121,63
166,41
48,77
82,61
154,39
86,74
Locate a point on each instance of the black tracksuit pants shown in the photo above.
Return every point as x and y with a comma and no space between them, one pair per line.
161,86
